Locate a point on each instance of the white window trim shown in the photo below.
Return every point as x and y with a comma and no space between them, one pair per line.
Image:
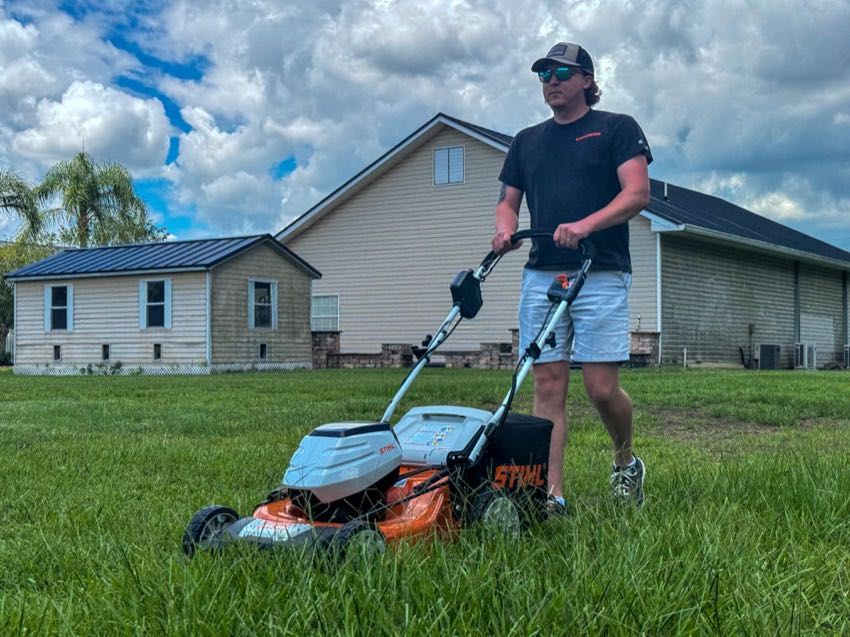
143,304
48,307
274,303
338,311
448,154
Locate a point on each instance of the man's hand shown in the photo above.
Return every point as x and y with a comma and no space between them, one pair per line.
502,242
568,235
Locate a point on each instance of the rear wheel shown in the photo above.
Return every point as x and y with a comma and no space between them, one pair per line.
496,512
358,539
207,528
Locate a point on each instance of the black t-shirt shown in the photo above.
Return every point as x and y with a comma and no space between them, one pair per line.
568,171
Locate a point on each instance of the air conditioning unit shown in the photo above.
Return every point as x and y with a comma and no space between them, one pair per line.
805,356
769,356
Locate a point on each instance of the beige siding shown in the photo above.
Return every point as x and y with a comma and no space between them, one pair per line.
391,249
712,293
821,314
232,340
106,311
643,301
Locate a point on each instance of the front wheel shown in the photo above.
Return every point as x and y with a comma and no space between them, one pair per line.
360,539
207,528
496,512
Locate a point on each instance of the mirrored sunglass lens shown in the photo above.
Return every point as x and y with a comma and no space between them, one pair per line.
545,76
563,73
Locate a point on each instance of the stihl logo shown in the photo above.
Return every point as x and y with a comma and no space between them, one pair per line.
519,475
386,448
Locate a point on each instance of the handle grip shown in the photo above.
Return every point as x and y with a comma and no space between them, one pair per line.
588,250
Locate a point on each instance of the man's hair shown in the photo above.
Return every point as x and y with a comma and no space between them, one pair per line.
592,93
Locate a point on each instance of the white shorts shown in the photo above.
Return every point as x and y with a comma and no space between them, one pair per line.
595,329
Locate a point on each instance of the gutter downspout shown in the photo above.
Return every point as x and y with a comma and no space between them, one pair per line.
658,291
209,320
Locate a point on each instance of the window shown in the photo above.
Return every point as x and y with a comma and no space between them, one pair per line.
58,308
57,352
104,352
155,304
264,351
157,351
448,166
324,313
262,304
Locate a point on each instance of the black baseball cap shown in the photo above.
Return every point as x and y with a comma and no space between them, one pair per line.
567,54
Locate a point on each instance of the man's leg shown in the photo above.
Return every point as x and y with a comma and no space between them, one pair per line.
602,381
550,395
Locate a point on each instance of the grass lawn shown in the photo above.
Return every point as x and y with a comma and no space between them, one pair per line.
746,529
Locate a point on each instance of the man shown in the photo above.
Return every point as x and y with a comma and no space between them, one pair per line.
584,175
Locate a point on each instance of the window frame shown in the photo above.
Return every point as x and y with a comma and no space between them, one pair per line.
144,304
273,303
448,150
68,307
313,298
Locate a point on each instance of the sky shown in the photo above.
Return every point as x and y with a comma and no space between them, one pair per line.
237,116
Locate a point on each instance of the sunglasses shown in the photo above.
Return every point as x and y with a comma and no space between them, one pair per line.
563,73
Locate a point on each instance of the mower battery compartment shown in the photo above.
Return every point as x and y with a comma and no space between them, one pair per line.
429,434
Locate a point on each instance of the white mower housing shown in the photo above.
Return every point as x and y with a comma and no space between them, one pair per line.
339,460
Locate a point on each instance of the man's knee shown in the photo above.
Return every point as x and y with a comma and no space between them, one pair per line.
603,387
550,383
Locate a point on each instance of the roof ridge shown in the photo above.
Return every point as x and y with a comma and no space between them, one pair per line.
159,243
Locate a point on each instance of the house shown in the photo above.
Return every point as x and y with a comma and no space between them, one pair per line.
177,307
711,281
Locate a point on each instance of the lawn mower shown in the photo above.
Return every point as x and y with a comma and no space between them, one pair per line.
439,469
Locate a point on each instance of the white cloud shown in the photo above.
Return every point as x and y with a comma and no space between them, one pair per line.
777,206
747,101
110,125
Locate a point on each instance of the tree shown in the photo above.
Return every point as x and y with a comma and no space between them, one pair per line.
12,257
98,204
17,198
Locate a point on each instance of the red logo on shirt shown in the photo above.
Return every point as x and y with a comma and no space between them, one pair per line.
588,136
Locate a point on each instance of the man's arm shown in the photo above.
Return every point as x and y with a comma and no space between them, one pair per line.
632,198
507,218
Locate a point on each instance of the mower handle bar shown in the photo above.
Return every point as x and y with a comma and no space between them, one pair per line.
588,250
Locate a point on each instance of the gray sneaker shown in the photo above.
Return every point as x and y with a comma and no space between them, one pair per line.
555,507
627,482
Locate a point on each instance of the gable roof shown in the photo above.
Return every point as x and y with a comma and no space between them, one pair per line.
698,213
671,208
496,140
172,256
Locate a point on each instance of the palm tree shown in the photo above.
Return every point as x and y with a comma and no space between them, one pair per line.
98,204
16,197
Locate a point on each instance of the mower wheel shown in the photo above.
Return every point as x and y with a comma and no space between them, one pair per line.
358,538
206,528
496,512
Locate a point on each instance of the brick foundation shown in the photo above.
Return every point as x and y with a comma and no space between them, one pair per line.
326,354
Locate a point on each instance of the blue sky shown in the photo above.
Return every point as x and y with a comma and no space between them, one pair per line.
235,117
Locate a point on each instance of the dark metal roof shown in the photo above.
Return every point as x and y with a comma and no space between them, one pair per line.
201,254
698,210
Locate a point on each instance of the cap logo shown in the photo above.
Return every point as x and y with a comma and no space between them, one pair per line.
557,51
